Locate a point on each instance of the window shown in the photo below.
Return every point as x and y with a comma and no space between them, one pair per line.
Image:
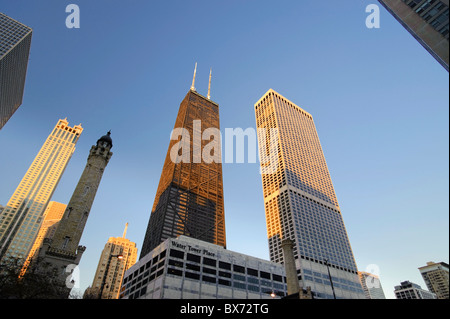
66,242
238,268
176,253
209,262
224,265
252,272
193,258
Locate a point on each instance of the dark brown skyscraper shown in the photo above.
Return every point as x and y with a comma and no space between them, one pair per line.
189,198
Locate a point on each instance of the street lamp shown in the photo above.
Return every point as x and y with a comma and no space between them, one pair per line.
329,276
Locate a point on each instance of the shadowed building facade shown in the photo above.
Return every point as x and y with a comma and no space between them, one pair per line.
427,21
15,42
300,202
63,249
189,198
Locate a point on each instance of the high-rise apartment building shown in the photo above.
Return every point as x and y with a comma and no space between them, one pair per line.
189,198
372,285
15,42
436,278
63,249
22,217
300,202
52,216
410,290
427,21
118,255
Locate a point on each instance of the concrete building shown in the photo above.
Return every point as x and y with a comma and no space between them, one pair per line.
372,285
436,278
15,43
22,217
427,21
63,249
409,290
300,202
118,255
187,268
189,199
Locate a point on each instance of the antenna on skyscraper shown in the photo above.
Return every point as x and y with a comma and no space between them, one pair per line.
209,85
125,230
193,80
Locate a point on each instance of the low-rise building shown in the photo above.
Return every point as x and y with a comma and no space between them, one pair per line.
187,268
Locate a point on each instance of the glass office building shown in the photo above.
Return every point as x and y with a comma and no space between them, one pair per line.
300,202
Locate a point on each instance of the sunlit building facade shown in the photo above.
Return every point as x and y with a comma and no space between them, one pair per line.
22,217
372,285
300,202
436,278
189,199
118,256
52,215
15,42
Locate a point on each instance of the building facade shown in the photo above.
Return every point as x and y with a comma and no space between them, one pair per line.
118,255
300,202
15,43
187,268
63,249
52,215
22,217
436,278
409,290
372,285
189,199
427,21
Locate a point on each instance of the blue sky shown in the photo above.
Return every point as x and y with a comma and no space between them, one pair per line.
379,102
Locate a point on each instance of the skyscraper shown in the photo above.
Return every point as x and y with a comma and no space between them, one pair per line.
427,21
22,217
52,216
118,255
300,202
63,249
15,42
436,278
189,198
371,285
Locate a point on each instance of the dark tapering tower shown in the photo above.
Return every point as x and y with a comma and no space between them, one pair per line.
64,249
189,198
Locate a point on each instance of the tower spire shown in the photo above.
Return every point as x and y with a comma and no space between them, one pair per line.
193,80
209,85
125,230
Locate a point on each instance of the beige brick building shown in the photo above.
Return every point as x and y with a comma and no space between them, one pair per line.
118,256
436,278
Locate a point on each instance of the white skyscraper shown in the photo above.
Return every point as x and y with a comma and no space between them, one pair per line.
22,217
300,201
